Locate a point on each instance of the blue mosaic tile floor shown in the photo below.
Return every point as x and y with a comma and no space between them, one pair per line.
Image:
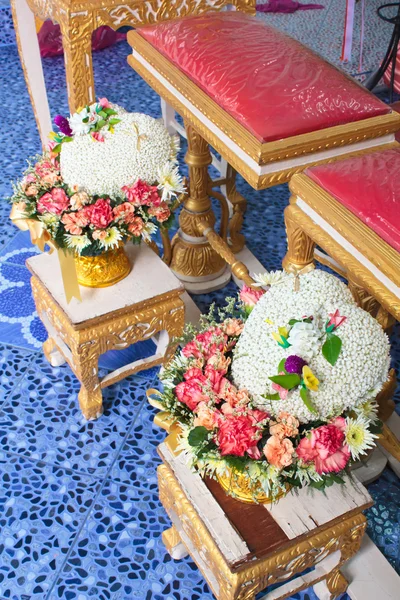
79,512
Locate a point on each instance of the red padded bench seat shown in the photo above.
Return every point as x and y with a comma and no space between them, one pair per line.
369,186
267,81
269,105
351,209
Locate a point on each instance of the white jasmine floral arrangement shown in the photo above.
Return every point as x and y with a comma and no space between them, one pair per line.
107,177
279,388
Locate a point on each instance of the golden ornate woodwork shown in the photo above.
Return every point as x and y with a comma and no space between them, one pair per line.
79,18
103,270
244,581
81,345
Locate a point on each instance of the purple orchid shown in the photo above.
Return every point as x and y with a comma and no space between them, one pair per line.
63,125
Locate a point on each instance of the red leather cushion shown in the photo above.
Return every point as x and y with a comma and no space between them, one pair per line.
270,83
369,186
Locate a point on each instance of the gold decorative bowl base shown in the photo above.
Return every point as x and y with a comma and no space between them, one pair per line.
238,487
103,270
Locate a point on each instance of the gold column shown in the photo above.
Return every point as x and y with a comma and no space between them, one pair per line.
193,259
77,44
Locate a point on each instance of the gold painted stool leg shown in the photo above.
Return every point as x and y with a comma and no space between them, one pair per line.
90,395
194,261
52,353
300,252
173,544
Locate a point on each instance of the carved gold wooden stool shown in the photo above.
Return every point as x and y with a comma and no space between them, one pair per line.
242,549
350,209
269,120
145,305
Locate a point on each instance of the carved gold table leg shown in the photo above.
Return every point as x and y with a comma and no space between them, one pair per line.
300,252
194,261
52,353
173,544
336,583
77,43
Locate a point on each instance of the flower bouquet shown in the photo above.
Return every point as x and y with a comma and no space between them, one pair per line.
278,389
107,177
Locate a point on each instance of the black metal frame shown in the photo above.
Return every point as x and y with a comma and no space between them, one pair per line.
391,53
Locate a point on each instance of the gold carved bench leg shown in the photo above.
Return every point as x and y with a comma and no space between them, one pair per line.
77,44
193,259
52,353
300,252
173,544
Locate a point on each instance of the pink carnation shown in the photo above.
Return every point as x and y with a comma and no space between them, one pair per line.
191,393
326,448
142,194
161,212
214,377
97,136
124,212
211,341
136,226
104,103
236,435
54,202
249,296
100,213
233,327
286,426
47,172
192,349
75,221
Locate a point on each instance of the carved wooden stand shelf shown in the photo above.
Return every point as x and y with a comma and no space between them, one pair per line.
241,549
144,305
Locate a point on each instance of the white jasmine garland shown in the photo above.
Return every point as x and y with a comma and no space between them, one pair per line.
136,149
362,365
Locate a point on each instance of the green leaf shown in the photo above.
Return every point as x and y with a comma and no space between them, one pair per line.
85,120
307,401
330,328
235,463
197,436
114,121
337,478
271,396
293,321
376,427
100,124
109,111
102,114
286,381
331,348
57,149
67,138
281,366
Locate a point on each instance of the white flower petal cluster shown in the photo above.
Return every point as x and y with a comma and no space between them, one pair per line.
304,339
270,278
139,146
360,370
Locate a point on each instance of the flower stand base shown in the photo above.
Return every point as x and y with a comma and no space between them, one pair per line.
242,549
146,304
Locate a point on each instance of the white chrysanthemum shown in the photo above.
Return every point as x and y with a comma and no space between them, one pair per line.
358,437
175,146
112,239
136,149
148,230
170,182
270,278
368,410
362,365
77,242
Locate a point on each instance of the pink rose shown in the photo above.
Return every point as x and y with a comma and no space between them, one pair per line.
279,452
136,226
249,296
236,435
325,447
97,136
124,212
233,327
205,416
54,202
191,393
75,221
336,319
286,426
100,214
161,212
141,193
104,103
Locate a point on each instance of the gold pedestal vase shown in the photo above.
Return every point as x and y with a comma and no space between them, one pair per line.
103,270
